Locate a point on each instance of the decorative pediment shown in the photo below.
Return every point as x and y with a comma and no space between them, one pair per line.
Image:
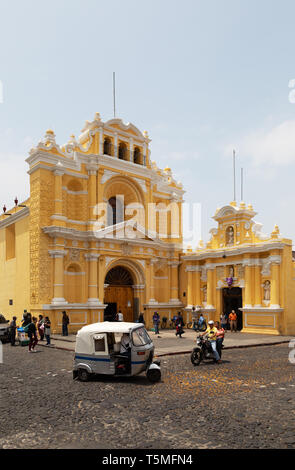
225,212
119,124
128,230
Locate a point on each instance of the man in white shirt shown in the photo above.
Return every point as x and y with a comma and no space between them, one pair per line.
120,316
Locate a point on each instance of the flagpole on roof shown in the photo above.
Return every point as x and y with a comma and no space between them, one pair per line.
234,168
114,93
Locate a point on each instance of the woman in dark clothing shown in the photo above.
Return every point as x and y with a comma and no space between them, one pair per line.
141,318
65,322
32,334
179,325
12,331
47,325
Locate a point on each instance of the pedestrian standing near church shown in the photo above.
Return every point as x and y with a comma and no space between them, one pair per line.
156,322
65,322
179,325
47,329
32,334
141,319
12,331
40,327
233,321
223,321
120,316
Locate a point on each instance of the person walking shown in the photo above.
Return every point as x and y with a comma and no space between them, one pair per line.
32,334
211,332
65,322
156,322
233,321
219,337
179,325
47,329
12,331
40,327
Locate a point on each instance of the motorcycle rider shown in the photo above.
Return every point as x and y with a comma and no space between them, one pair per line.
211,332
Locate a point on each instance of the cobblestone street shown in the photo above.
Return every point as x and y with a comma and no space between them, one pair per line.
246,402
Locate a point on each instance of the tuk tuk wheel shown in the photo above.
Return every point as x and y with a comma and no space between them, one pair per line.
83,375
154,375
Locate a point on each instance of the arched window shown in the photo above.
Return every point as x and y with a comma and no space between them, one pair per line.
107,146
137,156
115,211
122,151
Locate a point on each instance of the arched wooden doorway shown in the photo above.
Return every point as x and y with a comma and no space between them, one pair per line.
118,294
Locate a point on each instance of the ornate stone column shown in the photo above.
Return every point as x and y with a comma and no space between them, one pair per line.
197,286
151,282
101,141
92,172
174,281
190,285
101,276
131,149
58,281
138,293
247,289
57,218
275,261
257,284
116,153
210,285
144,155
93,299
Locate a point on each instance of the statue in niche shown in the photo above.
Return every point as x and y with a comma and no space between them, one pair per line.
266,288
230,235
231,271
205,293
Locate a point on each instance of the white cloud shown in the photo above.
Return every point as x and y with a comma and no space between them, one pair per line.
275,146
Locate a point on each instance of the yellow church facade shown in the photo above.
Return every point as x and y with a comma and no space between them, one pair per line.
101,232
244,270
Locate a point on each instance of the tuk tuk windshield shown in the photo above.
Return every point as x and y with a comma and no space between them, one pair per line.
140,337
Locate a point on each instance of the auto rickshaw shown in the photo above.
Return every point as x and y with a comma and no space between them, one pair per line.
98,351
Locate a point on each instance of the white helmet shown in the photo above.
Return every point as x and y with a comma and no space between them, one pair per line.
210,322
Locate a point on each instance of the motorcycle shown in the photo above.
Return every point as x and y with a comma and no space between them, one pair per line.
203,351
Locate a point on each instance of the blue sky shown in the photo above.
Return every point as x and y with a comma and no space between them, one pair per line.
201,77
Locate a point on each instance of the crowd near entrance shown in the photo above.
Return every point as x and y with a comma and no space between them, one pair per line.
232,300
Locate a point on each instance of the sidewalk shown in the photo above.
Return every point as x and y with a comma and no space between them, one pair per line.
166,343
